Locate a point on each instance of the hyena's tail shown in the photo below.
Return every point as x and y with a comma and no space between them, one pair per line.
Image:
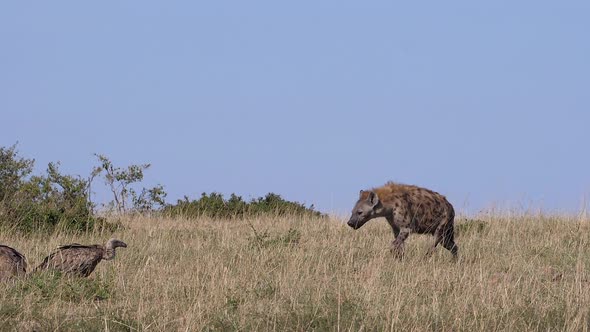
448,236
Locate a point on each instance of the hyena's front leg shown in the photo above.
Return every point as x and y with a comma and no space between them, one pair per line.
397,246
394,227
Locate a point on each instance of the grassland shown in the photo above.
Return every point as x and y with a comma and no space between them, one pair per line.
515,272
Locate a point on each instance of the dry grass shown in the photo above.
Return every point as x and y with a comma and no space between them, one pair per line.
514,273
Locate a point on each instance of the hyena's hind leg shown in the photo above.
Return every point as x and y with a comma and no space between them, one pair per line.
438,238
445,234
448,240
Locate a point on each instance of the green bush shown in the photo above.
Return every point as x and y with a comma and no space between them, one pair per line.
215,206
470,226
121,182
48,286
41,202
265,240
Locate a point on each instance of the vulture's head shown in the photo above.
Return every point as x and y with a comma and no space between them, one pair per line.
115,243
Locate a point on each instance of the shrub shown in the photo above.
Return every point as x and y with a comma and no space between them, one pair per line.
120,182
51,285
265,240
41,202
469,226
215,206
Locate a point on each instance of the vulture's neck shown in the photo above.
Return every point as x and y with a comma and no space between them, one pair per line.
109,254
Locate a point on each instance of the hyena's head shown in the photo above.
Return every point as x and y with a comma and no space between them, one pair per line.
364,210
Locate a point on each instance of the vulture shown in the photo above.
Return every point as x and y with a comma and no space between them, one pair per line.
12,263
80,260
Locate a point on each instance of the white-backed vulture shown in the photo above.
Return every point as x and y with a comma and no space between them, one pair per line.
80,260
12,263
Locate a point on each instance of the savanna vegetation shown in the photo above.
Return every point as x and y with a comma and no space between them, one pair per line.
193,270
291,273
53,201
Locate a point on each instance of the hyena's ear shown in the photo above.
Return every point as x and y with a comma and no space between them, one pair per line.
373,199
361,193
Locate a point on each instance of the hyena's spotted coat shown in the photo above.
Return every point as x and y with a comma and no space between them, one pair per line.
408,209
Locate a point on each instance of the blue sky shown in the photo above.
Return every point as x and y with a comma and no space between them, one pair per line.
487,103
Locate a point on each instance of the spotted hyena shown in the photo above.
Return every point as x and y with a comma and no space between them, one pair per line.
408,209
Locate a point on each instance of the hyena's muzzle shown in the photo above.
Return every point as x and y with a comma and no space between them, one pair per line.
356,222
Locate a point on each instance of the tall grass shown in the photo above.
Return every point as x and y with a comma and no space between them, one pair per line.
515,272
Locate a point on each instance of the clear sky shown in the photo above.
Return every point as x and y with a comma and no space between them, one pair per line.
487,102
